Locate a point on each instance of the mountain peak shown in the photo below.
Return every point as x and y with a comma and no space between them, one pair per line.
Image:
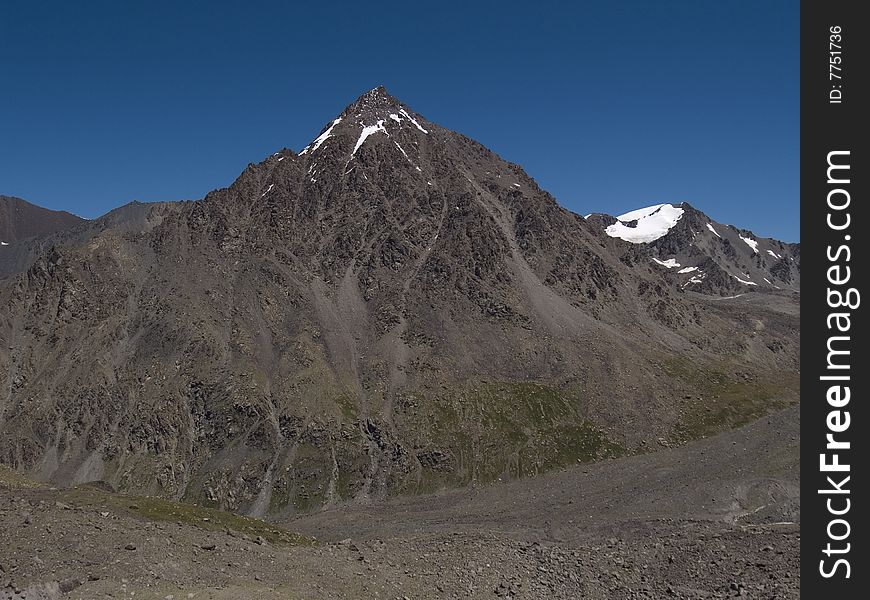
374,111
377,92
375,98
376,297
710,257
378,105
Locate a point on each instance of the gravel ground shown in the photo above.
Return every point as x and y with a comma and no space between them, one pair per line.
714,519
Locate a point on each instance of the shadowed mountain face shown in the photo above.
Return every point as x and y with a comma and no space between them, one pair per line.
392,310
20,220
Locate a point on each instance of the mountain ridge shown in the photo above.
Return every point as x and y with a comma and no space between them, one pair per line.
393,310
20,220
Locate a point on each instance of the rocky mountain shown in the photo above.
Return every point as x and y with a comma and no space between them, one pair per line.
702,255
20,220
393,310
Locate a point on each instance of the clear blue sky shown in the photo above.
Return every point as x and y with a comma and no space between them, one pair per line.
609,105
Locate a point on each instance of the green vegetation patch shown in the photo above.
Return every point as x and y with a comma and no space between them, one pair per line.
159,509
347,407
10,478
502,430
727,400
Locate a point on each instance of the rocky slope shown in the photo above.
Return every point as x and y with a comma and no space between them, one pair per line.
717,518
394,309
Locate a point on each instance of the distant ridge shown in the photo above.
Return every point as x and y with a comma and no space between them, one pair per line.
703,255
20,220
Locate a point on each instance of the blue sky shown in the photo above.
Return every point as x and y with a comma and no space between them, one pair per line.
609,105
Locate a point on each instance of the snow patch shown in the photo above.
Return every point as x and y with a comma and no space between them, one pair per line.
413,120
653,222
750,242
402,150
367,131
271,185
710,227
670,263
699,278
773,254
321,138
404,113
687,270
743,280
4,243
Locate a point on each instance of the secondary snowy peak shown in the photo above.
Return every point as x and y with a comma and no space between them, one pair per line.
704,255
645,224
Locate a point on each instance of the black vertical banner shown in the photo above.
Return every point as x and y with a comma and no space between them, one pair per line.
835,422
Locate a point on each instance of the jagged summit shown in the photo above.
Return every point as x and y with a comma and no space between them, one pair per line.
377,98
374,112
